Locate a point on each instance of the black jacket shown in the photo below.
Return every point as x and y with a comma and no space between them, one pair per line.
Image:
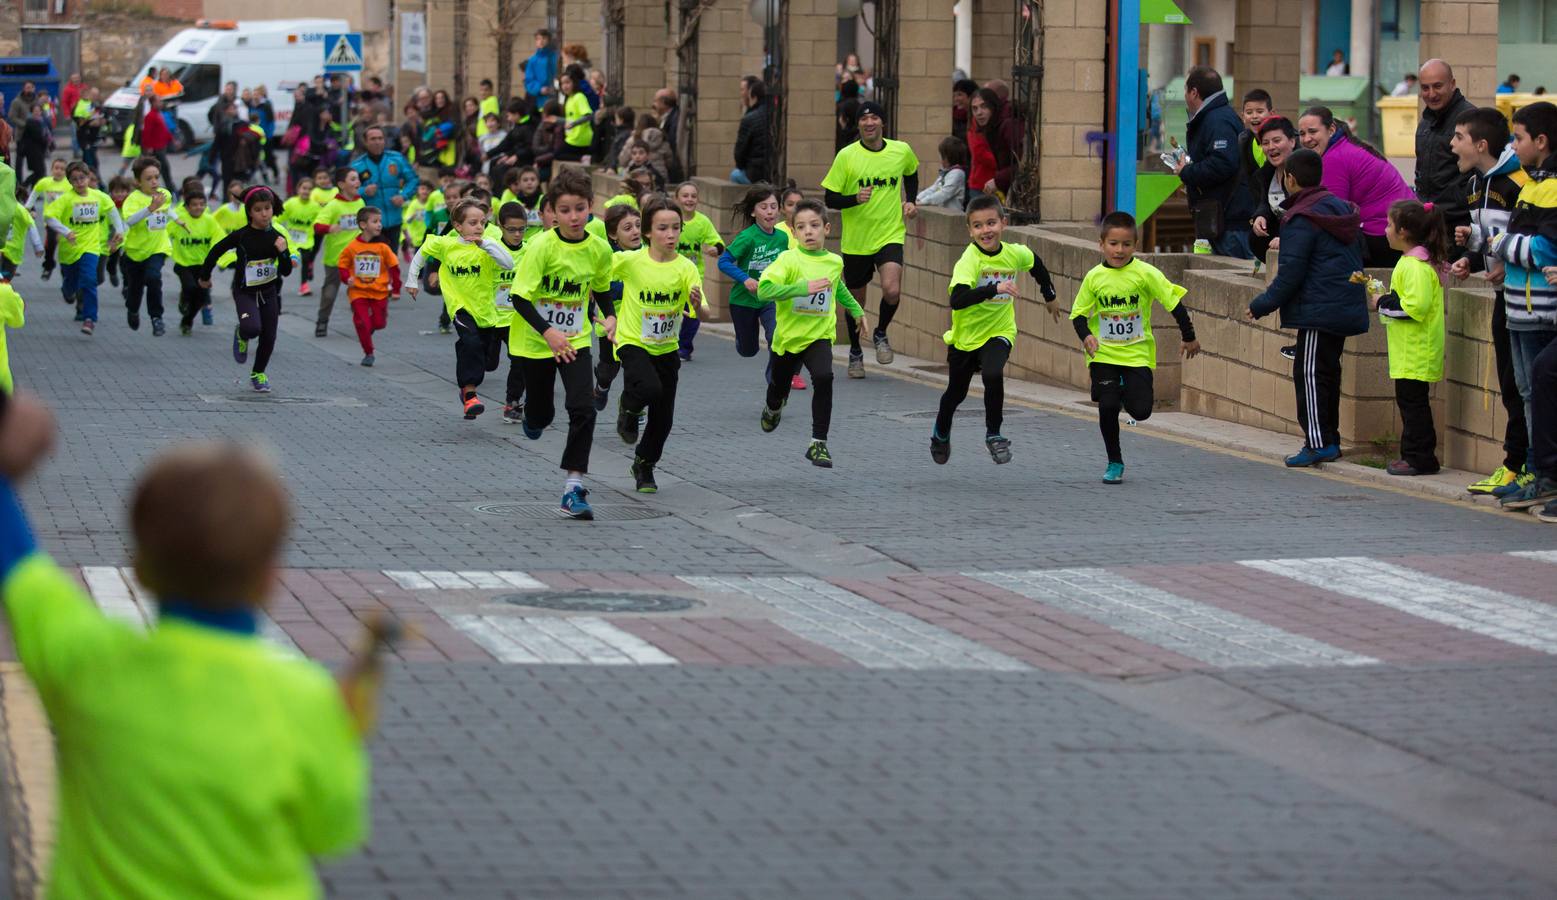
751,143
1320,249
1438,179
1216,173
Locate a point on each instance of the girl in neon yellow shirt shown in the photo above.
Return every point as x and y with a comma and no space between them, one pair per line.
699,238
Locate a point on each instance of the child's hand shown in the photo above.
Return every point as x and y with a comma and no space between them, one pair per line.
114,242
1373,302
1191,349
70,236
281,245
609,327
864,195
205,283
413,290
26,435
1259,226
818,284
1054,311
751,285
1460,268
1008,288
1495,273
1462,234
156,202
1089,344
432,279
1551,275
557,343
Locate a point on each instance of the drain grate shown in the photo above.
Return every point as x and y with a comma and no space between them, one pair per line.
611,513
974,411
599,602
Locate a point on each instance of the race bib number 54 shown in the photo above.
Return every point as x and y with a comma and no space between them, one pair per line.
567,318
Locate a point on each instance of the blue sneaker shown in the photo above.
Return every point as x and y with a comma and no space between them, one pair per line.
1308,456
1520,482
574,504
1114,474
533,434
205,316
259,382
240,347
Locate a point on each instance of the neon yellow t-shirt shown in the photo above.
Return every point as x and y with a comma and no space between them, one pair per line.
192,238
229,217
697,233
343,213
149,236
298,215
804,316
869,226
487,105
784,227
86,215
596,227
320,196
558,276
415,218
12,315
48,189
503,290
1416,343
1118,306
468,277
973,327
653,296
621,199
582,134
16,242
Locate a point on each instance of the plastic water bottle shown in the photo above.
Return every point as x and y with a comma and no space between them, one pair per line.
1203,246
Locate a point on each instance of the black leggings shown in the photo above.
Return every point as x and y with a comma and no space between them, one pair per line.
191,296
989,359
608,366
649,382
540,378
143,277
817,357
1120,387
305,272
477,350
258,312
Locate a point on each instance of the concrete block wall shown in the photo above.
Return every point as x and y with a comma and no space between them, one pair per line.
1469,414
1266,48
1464,32
1075,45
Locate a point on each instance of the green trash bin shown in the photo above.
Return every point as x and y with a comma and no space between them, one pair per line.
1346,95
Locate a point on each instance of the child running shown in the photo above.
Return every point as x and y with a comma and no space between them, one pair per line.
263,263
371,272
12,315
325,189
298,215
468,274
528,192
698,237
1113,317
119,189
337,224
146,245
562,270
983,294
44,192
512,219
414,215
192,234
788,200
76,216
802,284
657,283
231,215
1412,313
744,261
24,235
624,229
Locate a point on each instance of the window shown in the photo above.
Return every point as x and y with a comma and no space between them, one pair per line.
1519,21
201,82
1205,51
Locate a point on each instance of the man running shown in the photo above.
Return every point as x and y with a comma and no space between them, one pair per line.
868,182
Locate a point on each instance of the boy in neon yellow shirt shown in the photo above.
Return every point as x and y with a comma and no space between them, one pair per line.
1113,317
194,759
44,192
77,216
983,312
192,234
336,226
12,315
24,234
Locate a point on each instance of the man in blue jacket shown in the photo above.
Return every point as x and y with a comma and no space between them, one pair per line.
540,70
1320,249
1217,194
388,181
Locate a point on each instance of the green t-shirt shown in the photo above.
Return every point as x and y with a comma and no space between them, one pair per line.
298,215
1118,306
557,277
86,216
343,213
230,216
1416,343
16,242
973,327
653,296
192,761
468,277
804,317
869,226
149,236
193,238
753,251
582,134
697,233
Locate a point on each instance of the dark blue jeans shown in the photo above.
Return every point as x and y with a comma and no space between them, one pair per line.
1233,243
746,320
80,278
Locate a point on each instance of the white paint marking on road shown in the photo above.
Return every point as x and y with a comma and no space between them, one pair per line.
1197,630
480,630
633,647
483,580
447,580
870,634
143,597
1468,607
411,581
521,580
112,595
1539,555
560,640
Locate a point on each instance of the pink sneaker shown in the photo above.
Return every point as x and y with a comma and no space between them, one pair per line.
305,290
798,383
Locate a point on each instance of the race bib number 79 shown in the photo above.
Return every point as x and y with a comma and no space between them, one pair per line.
815,303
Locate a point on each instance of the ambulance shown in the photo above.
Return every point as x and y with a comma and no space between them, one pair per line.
279,53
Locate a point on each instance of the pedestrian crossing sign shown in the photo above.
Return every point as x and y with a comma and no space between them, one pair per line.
343,52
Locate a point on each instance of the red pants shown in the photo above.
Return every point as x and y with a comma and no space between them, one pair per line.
369,315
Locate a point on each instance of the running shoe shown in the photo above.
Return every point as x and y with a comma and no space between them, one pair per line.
602,397
940,448
818,455
473,407
574,504
1520,482
442,329
1114,474
88,326
626,425
770,417
259,382
1540,491
798,383
856,365
47,271
999,449
306,290
205,316
1500,476
1289,351
884,354
321,330
533,434
643,476
185,330
157,328
1401,467
367,360
240,347
134,319
513,412
1308,456
1547,513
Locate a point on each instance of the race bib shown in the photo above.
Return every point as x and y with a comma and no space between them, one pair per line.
816,303
661,327
51,196
157,221
259,272
1122,329
567,318
84,213
297,235
368,266
995,278
348,222
503,299
533,218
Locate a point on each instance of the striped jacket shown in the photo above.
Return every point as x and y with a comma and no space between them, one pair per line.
1529,244
1490,199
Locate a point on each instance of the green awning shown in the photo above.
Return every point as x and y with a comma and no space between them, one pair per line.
1152,189
1162,12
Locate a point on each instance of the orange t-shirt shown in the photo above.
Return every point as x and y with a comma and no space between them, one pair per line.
167,88
374,269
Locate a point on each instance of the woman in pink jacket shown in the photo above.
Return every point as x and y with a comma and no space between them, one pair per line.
1359,174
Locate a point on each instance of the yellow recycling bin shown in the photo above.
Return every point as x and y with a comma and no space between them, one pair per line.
1399,115
1508,104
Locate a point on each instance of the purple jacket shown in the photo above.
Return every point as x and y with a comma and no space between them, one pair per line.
1357,176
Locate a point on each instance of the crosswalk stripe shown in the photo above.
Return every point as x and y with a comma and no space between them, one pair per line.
1505,617
1199,631
112,594
483,580
521,580
463,580
411,581
495,642
1540,555
871,635
559,640
446,580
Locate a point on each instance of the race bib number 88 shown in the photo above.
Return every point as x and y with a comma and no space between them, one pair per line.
259,272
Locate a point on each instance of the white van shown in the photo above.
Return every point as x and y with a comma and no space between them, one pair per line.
280,54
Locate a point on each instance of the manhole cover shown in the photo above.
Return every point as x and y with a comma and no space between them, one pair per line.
608,513
976,411
589,601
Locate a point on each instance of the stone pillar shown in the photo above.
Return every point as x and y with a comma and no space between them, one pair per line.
813,44
1267,42
1073,97
924,65
1464,33
646,44
992,40
721,61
